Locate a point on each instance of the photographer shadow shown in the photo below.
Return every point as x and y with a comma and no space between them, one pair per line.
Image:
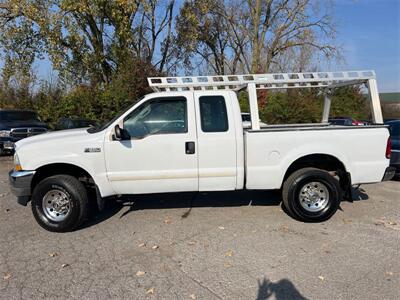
282,290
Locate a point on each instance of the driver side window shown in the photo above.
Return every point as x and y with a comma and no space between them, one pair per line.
158,116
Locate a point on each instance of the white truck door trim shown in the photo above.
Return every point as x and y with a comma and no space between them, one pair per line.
158,162
216,141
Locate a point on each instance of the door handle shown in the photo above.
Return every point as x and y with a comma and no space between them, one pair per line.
190,148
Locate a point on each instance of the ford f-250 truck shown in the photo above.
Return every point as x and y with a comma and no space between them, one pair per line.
188,136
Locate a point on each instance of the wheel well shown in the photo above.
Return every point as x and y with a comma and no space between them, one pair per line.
61,168
325,162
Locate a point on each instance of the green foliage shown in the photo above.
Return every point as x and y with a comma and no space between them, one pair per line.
97,103
350,102
305,106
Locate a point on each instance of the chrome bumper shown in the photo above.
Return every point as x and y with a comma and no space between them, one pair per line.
20,183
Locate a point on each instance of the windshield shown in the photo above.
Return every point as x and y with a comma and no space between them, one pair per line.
104,125
18,116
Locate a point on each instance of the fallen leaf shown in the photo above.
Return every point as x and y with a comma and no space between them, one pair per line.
154,247
221,227
321,277
392,223
150,291
389,273
229,253
53,254
347,221
192,243
379,222
7,276
142,245
227,264
192,296
284,228
64,265
140,273
167,221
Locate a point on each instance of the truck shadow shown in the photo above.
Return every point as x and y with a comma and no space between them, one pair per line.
202,199
358,194
184,200
192,200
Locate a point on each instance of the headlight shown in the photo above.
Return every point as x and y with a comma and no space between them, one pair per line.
17,164
5,133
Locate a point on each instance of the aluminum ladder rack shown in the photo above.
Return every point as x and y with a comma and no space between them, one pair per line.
254,82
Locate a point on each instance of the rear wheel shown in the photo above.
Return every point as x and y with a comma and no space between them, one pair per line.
311,195
60,203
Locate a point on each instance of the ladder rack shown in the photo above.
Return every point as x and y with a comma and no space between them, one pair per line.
262,81
254,82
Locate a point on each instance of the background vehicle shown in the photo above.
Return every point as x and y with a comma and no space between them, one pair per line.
345,121
246,119
16,125
71,123
188,136
394,128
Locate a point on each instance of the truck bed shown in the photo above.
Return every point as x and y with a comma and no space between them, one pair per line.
270,151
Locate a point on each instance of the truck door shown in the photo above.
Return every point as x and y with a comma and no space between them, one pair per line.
216,141
160,154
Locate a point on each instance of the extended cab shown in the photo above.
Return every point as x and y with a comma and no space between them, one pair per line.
189,137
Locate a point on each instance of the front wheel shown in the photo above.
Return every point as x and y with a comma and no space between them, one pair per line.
60,203
311,195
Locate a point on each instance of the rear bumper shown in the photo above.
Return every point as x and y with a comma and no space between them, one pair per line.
389,173
20,184
395,162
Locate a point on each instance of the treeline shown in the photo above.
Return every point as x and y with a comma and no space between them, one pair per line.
53,101
102,51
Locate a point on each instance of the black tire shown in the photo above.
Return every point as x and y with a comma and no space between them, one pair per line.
298,181
73,190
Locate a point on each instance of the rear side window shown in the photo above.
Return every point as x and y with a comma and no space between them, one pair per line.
213,115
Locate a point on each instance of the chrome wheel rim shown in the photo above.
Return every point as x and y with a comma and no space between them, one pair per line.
56,205
314,196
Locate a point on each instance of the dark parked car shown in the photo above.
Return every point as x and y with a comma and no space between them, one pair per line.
394,128
345,121
16,125
70,123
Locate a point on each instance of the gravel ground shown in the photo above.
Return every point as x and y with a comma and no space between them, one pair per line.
205,246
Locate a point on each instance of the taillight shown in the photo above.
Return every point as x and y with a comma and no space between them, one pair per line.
388,148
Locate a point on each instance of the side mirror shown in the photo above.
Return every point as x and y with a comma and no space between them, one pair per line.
118,133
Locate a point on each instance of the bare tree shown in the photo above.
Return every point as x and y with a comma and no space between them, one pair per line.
262,35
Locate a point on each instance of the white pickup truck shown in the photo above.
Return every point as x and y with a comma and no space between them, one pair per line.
188,136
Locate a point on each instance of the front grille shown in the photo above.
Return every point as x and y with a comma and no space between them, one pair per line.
21,133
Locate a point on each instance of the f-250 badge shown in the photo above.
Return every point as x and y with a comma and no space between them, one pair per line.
92,150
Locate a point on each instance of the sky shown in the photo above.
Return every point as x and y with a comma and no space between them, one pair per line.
369,33
369,36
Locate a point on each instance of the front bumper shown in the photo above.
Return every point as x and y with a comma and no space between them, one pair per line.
8,143
20,183
389,173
